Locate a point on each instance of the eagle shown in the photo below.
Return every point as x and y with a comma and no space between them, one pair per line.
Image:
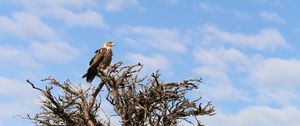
100,61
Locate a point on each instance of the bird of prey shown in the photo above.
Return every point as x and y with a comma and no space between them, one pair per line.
100,61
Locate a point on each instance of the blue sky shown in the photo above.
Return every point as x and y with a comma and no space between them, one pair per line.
247,52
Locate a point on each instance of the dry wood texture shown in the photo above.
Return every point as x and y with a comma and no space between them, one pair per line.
138,101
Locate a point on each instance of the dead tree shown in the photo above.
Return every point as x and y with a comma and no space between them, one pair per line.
148,101
138,101
75,107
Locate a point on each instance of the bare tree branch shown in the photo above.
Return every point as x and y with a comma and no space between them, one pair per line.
138,101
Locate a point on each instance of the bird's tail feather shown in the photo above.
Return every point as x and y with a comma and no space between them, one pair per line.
90,75
84,75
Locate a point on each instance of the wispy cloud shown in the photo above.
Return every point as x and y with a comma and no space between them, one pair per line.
42,39
8,26
71,13
256,116
55,3
163,39
151,63
241,15
58,52
276,2
210,7
84,19
276,80
118,5
14,56
273,80
216,9
272,16
32,28
216,65
265,39
16,98
173,2
27,26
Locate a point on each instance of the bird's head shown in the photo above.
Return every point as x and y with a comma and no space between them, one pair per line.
108,44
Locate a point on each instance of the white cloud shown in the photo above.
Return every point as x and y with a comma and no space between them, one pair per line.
151,63
269,80
215,8
47,4
222,91
278,71
210,7
84,19
13,88
272,16
27,26
16,98
241,15
160,38
72,13
265,39
277,80
33,26
118,5
58,52
173,2
14,56
276,2
219,57
216,65
8,26
256,116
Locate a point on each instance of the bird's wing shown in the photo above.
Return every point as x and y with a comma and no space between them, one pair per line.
98,56
91,61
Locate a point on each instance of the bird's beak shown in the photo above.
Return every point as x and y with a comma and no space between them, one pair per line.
112,44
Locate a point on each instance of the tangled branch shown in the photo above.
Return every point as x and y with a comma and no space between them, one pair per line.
138,101
151,102
76,107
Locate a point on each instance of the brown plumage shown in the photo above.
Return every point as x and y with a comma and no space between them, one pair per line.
100,61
